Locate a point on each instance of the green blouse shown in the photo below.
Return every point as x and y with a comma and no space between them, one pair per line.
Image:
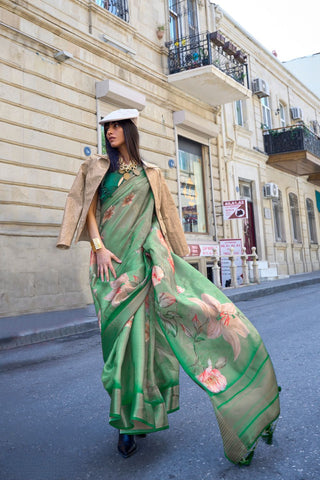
111,181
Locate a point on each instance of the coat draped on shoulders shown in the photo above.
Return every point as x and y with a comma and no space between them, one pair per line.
85,185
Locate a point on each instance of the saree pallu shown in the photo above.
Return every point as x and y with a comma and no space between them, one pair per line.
161,312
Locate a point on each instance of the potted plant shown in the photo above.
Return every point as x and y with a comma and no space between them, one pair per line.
160,31
240,56
217,38
229,48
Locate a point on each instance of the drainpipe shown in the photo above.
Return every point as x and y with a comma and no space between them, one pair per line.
221,146
178,171
99,149
300,222
215,236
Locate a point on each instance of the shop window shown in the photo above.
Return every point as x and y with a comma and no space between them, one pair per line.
311,221
295,217
277,208
192,188
266,113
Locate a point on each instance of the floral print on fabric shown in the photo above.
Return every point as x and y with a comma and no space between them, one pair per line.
160,310
165,299
121,288
223,320
128,199
212,379
157,275
164,243
108,213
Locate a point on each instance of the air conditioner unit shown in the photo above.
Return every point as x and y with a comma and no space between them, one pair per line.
296,113
260,88
270,190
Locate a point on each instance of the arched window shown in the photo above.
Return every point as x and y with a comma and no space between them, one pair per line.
277,208
295,218
311,221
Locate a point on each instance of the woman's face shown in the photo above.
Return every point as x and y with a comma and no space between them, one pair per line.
115,135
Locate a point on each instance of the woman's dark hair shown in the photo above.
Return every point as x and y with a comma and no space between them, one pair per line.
131,136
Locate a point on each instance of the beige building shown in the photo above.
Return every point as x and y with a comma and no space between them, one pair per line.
65,64
272,158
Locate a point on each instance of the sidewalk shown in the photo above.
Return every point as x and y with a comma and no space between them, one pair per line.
40,327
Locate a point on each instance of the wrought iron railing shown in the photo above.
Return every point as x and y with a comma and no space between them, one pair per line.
199,50
117,7
291,139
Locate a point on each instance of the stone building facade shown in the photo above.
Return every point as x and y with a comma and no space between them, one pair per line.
65,64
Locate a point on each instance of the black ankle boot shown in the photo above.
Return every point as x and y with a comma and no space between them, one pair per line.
126,445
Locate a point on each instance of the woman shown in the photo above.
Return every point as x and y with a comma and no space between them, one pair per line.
155,310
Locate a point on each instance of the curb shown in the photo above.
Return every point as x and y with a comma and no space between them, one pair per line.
7,343
263,290
82,326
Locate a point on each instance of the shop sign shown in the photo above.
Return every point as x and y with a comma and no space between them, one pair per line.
234,209
201,250
225,252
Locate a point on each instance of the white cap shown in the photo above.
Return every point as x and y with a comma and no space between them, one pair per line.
121,114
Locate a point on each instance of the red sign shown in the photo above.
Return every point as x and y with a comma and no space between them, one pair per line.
234,209
200,250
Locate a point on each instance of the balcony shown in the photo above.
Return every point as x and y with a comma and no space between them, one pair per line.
208,68
117,7
294,149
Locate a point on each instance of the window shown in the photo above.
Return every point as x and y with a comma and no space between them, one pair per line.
239,112
117,7
311,221
295,218
277,208
174,26
192,189
282,113
192,17
103,140
266,113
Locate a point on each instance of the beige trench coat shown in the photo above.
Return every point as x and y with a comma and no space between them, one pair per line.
84,188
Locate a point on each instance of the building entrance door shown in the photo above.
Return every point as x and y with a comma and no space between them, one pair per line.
249,232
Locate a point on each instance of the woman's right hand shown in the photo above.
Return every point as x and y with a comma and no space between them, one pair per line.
104,263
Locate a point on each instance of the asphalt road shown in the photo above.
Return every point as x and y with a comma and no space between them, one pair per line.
54,411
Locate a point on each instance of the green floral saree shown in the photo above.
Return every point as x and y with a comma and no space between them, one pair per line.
160,312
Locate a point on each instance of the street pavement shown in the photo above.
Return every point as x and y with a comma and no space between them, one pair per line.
27,329
54,411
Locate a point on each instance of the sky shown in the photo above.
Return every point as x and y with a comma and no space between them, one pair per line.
290,27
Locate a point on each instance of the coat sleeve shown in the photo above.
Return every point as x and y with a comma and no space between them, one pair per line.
172,221
73,209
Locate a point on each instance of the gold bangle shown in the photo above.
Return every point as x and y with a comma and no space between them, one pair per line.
96,244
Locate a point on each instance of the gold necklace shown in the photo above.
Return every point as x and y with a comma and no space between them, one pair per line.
126,168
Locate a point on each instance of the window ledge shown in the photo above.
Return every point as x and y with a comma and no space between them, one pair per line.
244,130
280,244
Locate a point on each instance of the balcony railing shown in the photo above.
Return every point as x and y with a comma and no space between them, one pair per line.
291,139
199,50
117,7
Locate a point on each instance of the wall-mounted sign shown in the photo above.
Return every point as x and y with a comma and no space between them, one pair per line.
234,209
87,151
197,250
225,249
